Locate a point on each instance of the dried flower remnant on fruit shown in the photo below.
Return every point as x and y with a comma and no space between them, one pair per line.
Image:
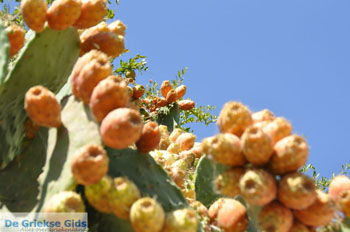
117,27
225,149
42,107
150,138
64,202
92,12
234,118
147,215
98,195
258,187
121,128
338,185
274,217
186,141
111,93
165,88
171,96
63,14
90,165
138,91
320,213
180,91
181,220
227,183
291,153
256,146
15,35
344,202
123,194
34,14
296,191
263,115
278,129
186,104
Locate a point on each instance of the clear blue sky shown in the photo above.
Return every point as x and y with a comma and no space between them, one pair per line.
292,57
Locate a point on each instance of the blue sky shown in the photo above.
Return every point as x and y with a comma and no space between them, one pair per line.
292,57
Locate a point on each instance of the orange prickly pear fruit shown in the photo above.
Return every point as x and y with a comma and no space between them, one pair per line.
171,96
256,145
147,215
338,185
92,12
90,164
138,91
201,210
186,104
296,191
130,74
175,134
186,141
320,213
165,88
225,149
121,128
174,148
164,137
111,93
234,118
34,14
274,217
65,202
101,27
258,187
197,150
117,27
42,107
89,70
98,195
63,13
299,227
278,129
15,35
150,138
227,183
344,202
263,115
181,220
180,91
160,102
291,153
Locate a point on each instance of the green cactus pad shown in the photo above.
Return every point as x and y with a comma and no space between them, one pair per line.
47,59
4,53
169,116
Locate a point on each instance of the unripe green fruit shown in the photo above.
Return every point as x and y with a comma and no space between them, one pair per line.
65,202
130,74
98,195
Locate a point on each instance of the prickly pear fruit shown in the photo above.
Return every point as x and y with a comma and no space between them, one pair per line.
178,171
147,215
180,91
263,115
201,210
234,118
138,91
225,149
90,164
320,213
98,195
171,96
186,104
174,148
186,141
121,128
42,107
130,74
64,202
89,70
229,214
164,158
296,191
299,227
164,137
344,202
181,220
165,88
101,27
258,187
175,134
63,14
256,146
15,35
34,14
123,194
338,185
227,183
92,12
111,93
107,42
197,150
117,27
150,138
278,129
291,153
274,217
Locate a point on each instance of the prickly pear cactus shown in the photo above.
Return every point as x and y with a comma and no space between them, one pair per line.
4,51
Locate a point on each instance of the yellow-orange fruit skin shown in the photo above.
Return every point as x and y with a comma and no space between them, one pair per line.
175,134
15,35
296,191
92,12
197,150
299,227
171,96
117,27
227,183
138,91
89,70
165,88
229,214
150,138
180,91
256,146
338,185
225,149
111,93
258,187
42,107
291,153
64,202
186,104
63,13
344,202
263,115
274,217
160,102
234,118
89,165
101,27
181,220
278,129
320,213
186,141
201,210
107,42
164,137
121,128
34,14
